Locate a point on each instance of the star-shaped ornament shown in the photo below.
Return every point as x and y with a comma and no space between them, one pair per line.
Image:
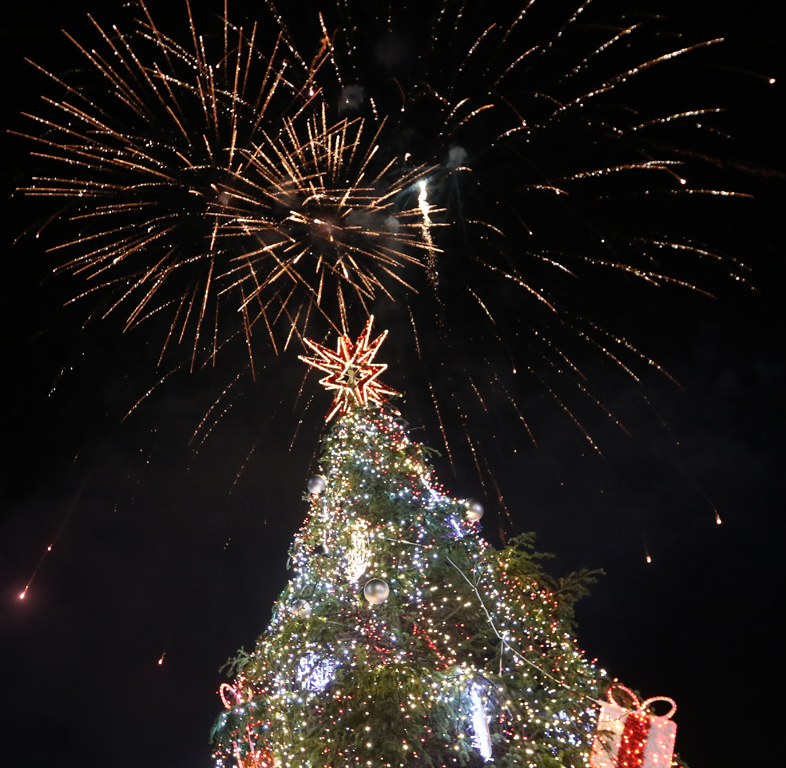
351,372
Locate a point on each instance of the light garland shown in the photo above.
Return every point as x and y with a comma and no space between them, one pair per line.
466,660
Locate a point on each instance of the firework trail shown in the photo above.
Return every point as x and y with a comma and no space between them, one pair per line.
480,178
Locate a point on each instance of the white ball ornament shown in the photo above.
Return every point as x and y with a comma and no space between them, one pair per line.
474,510
376,591
301,609
316,484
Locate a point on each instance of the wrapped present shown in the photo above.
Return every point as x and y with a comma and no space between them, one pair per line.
633,738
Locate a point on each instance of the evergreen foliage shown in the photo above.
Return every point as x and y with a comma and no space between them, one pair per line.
469,660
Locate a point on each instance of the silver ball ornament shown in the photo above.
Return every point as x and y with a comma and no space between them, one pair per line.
316,484
376,591
474,510
301,609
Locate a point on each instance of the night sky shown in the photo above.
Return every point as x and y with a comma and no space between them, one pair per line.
158,549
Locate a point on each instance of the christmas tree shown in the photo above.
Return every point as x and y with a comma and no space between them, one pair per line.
403,638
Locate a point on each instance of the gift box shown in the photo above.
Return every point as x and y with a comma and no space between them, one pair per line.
631,737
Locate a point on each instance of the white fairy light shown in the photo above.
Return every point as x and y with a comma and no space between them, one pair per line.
358,555
480,724
315,671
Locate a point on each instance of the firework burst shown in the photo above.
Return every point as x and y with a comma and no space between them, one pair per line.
315,201
479,178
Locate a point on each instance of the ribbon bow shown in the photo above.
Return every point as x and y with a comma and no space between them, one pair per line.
641,707
226,688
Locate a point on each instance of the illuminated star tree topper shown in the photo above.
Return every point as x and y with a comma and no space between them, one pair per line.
351,371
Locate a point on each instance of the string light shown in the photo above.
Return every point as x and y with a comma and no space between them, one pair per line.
426,666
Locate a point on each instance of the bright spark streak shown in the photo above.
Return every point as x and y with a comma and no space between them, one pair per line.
425,230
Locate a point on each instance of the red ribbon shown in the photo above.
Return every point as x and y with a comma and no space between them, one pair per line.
633,740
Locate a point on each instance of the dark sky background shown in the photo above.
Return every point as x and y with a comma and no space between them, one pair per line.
156,549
